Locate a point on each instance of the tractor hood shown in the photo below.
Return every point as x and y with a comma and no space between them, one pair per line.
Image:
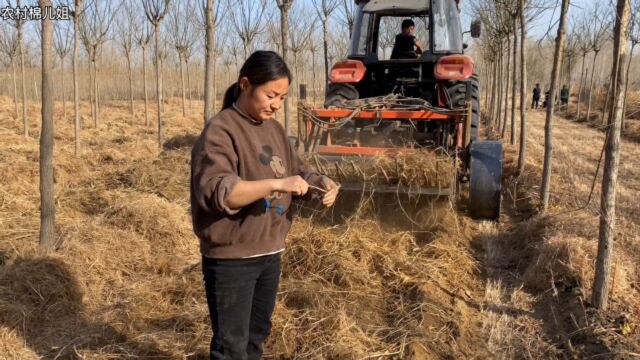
413,6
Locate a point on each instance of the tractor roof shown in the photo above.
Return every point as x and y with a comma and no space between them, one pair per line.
405,6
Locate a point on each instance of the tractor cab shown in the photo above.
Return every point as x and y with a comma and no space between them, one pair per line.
437,30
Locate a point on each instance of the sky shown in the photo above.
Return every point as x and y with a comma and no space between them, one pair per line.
540,26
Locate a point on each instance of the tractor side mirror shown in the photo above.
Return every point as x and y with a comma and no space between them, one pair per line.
476,28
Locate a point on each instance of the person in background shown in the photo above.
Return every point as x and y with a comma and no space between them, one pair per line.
564,96
536,97
244,175
406,45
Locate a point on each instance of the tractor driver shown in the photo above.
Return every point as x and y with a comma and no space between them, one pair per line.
405,42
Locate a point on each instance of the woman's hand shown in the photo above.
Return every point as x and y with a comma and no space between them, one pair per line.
293,184
332,188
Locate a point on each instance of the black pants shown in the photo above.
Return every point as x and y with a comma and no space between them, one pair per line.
535,103
241,294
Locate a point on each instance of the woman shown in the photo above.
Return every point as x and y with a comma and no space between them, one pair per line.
244,174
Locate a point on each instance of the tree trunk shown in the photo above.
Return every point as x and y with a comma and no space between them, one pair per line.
512,137
583,74
130,84
64,98
611,161
548,128
184,94
284,32
47,200
502,126
15,88
486,74
189,87
158,82
35,88
494,79
569,68
313,64
25,120
144,85
209,77
215,84
626,87
96,121
593,68
76,93
523,88
325,45
91,92
500,92
606,103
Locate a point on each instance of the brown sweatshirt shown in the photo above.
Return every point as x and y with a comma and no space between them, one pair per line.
231,148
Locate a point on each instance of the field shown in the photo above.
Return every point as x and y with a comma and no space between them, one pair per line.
125,280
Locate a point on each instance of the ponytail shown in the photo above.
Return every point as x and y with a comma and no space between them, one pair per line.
231,95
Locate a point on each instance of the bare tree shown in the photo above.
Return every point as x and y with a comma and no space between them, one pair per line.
249,18
47,200
94,28
299,40
274,36
62,44
77,10
324,9
183,39
285,6
127,27
584,45
347,12
634,37
387,36
548,129
156,10
143,38
523,87
514,80
600,27
18,23
570,53
611,161
313,47
9,47
210,16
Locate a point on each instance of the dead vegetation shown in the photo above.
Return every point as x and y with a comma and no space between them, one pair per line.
540,269
411,169
125,281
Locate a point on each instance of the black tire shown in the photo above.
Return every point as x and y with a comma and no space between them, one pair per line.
457,91
485,182
338,92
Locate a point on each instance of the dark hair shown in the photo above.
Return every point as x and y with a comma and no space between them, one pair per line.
260,68
406,23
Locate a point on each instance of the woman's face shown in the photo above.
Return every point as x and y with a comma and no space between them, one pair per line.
262,101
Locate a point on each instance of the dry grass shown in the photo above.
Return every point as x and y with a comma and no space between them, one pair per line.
550,258
410,169
125,279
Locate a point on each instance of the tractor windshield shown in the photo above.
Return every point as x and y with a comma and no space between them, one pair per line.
390,26
447,32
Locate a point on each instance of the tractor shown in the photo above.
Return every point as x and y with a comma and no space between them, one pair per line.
425,100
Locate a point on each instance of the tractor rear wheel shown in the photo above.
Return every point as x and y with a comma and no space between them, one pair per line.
457,91
338,92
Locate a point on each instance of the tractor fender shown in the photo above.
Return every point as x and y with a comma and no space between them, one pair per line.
485,179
